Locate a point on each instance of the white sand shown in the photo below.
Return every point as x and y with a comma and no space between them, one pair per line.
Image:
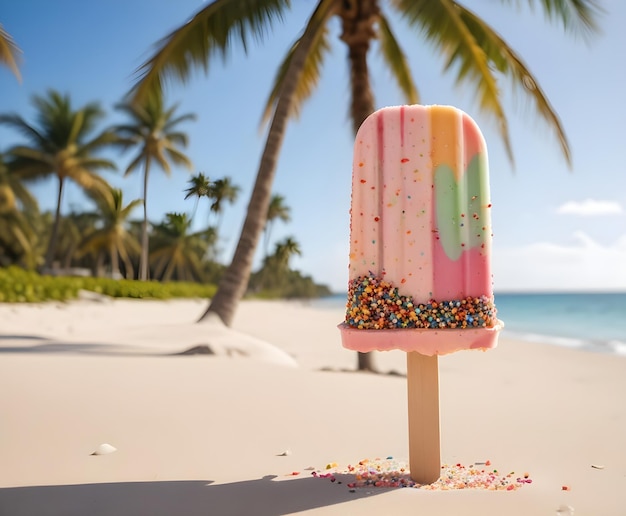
203,434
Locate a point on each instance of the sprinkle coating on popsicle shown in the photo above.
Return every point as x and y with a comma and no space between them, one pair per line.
374,303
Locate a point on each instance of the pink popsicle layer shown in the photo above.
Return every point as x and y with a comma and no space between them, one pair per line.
425,341
420,221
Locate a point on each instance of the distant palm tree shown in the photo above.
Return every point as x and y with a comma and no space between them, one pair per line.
112,238
285,249
59,144
274,274
200,186
222,190
153,128
277,210
9,52
178,252
470,47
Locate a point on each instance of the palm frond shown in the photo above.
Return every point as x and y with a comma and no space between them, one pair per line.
171,122
140,158
579,16
105,138
9,52
178,138
444,24
93,163
309,77
210,31
128,244
13,181
510,64
130,207
92,184
395,59
77,126
178,157
29,153
28,131
161,160
28,163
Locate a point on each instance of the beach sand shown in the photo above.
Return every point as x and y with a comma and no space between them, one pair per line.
241,431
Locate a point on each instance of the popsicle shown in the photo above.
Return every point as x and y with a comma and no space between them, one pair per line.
420,253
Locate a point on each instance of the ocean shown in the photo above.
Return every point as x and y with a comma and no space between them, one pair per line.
590,321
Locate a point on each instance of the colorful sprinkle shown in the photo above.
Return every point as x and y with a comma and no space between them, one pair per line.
374,303
389,473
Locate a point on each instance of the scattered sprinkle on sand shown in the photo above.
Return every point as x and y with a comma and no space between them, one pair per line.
392,473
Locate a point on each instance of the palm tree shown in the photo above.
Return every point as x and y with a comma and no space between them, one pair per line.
112,238
222,190
276,210
178,252
470,47
200,186
285,249
59,144
274,275
153,128
9,52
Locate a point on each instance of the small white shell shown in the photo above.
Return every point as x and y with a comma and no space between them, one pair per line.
104,449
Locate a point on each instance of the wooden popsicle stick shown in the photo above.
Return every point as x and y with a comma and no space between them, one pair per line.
423,401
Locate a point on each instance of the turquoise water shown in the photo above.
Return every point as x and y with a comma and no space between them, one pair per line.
592,321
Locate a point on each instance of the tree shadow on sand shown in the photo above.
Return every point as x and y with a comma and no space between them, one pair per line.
44,345
261,497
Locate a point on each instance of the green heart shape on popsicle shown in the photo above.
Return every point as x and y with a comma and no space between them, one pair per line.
459,209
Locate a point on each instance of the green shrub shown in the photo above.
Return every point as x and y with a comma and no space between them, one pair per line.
20,286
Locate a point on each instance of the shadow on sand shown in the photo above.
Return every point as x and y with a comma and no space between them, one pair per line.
262,497
45,345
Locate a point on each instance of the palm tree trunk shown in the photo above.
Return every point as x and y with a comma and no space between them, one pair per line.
143,262
358,18
52,243
234,282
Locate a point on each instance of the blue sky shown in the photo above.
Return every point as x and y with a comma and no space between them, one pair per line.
554,228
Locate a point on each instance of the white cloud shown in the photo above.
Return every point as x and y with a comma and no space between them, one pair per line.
590,207
584,265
